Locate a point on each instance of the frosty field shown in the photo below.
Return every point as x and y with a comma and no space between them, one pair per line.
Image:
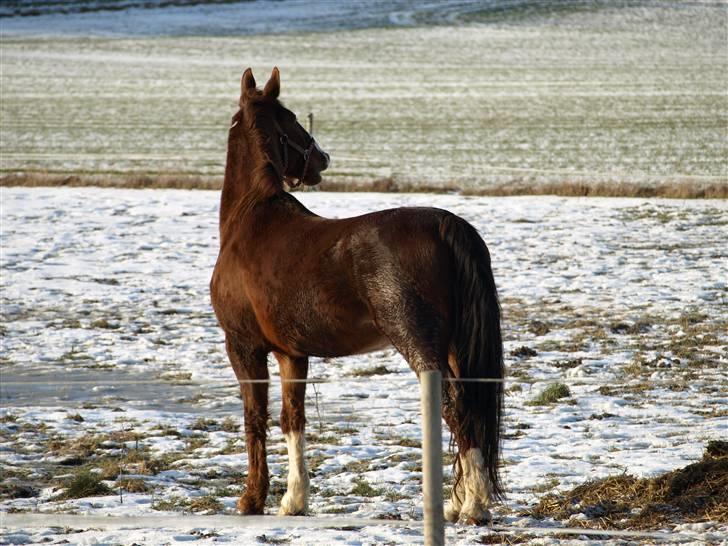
455,95
624,301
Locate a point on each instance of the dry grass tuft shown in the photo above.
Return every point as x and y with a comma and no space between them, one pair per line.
132,485
695,493
368,372
505,538
229,425
12,489
207,504
539,328
386,185
205,424
670,189
523,352
184,182
679,189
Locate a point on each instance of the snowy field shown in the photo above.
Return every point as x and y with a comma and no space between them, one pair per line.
625,301
453,94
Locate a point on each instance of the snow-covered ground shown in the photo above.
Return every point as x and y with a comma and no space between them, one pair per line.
624,301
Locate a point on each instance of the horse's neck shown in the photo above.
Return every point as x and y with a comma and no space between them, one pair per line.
249,179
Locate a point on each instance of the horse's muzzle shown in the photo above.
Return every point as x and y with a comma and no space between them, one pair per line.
324,156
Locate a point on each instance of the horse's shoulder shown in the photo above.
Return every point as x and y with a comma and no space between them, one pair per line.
289,204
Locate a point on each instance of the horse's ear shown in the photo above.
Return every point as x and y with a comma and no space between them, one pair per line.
247,84
273,87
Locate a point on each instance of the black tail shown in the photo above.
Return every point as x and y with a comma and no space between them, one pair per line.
478,344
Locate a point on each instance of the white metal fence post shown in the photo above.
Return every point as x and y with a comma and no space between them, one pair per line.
431,402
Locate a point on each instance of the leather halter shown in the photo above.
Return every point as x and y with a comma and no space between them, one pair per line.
305,152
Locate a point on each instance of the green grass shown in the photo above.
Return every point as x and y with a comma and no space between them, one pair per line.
550,395
391,495
362,488
519,104
85,484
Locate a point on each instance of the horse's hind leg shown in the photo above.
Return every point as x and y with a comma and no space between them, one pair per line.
420,333
471,490
471,494
293,423
252,365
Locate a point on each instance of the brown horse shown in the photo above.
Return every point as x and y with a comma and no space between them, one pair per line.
293,283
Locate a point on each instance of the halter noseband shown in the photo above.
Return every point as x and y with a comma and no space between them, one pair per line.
305,152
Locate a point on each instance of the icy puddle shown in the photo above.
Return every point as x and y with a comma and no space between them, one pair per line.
114,374
147,391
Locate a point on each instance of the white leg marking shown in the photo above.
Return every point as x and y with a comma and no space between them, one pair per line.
295,501
477,491
455,504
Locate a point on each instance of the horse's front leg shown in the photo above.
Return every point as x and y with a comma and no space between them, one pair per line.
293,423
251,366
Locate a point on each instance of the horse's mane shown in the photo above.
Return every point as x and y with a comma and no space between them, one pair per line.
251,176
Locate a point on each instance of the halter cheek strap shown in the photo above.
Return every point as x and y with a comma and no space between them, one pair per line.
305,153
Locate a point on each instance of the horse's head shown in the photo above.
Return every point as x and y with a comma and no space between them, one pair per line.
294,153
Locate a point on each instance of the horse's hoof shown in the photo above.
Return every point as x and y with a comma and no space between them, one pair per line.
284,512
475,517
250,507
292,506
452,514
